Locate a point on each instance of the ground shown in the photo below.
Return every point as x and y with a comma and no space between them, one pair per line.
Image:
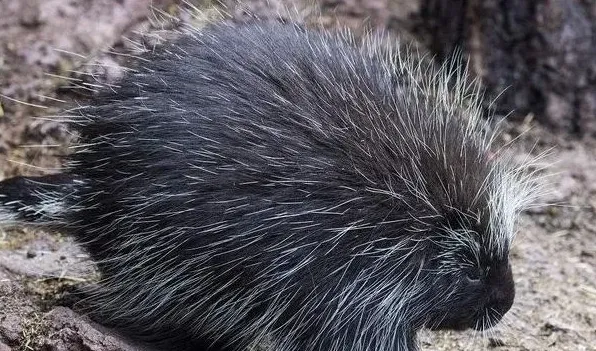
44,47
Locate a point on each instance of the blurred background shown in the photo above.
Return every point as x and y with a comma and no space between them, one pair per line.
536,59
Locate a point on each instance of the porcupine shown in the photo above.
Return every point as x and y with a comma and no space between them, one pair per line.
267,182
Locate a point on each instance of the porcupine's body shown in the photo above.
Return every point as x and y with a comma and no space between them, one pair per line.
260,182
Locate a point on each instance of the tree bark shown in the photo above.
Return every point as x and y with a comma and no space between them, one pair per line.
538,55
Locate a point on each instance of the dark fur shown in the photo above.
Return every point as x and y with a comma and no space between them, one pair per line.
195,148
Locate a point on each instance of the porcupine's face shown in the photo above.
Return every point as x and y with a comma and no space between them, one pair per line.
475,288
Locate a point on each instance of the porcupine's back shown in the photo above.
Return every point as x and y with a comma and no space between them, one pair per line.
262,182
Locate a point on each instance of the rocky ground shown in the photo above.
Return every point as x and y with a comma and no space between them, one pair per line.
45,45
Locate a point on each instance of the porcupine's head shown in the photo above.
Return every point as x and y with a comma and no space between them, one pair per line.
473,195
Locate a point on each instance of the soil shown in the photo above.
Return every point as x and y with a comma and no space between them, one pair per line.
53,52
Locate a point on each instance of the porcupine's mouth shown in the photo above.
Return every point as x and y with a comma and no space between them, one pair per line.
454,325
481,320
486,320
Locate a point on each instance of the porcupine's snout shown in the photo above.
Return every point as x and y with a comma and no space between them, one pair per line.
491,296
500,296
478,300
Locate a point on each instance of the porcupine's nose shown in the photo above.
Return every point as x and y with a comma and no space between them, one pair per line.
502,294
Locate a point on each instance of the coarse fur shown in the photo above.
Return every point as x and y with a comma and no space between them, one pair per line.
263,183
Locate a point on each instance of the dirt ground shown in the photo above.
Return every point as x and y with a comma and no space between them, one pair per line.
46,45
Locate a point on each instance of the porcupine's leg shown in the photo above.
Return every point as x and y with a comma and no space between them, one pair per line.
34,200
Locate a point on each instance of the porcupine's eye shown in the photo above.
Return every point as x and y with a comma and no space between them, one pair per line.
474,275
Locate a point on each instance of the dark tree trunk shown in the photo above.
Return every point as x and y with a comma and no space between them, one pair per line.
540,55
